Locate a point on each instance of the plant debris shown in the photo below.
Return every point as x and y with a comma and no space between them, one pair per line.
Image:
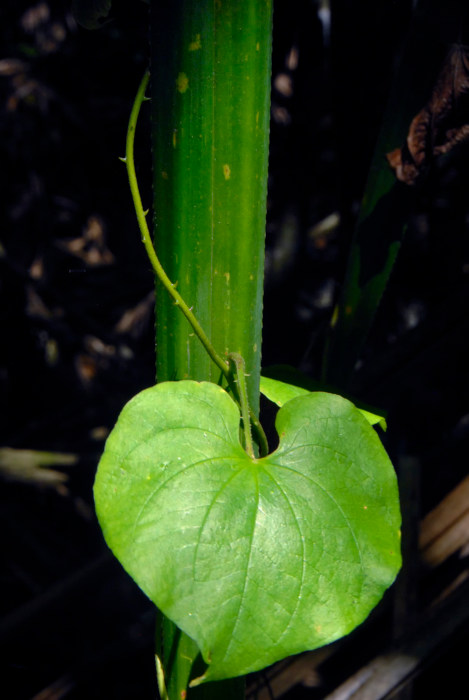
441,124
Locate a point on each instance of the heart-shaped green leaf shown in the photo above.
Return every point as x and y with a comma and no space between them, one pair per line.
253,559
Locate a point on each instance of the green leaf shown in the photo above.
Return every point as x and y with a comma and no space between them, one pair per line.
255,559
280,392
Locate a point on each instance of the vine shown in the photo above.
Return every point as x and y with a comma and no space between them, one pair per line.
239,550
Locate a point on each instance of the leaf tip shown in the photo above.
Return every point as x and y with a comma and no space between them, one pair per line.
197,681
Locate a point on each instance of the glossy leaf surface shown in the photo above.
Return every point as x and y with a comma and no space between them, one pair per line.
253,559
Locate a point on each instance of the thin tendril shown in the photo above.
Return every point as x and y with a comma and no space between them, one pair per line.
163,277
146,237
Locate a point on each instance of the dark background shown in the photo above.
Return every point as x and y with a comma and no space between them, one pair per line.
77,327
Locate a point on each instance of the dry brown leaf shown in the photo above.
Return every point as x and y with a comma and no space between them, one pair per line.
134,321
91,246
32,466
441,124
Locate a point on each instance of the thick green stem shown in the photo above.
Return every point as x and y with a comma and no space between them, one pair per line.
210,82
210,89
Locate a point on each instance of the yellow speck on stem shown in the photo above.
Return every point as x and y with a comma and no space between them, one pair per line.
195,45
226,171
258,46
254,347
164,175
227,277
182,83
175,138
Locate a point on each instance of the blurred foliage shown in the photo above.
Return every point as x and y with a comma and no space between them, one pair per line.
91,13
